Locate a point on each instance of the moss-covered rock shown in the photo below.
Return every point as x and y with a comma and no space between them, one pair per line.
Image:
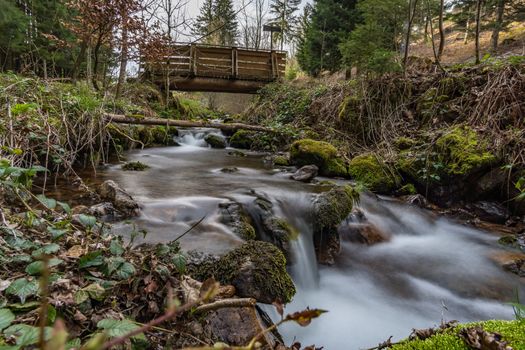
369,170
307,151
257,270
319,153
330,209
281,161
512,332
449,168
463,152
242,139
135,166
335,168
215,141
234,216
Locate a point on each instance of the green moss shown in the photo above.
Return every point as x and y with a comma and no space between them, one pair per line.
404,143
135,166
407,189
246,231
215,141
307,151
291,232
463,152
332,207
269,269
371,172
335,167
281,161
242,139
511,331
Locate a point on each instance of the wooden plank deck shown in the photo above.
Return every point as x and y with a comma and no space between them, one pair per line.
198,67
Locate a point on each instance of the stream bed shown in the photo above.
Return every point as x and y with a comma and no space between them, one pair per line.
430,269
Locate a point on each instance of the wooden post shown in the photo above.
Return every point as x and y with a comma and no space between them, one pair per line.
235,65
193,59
275,67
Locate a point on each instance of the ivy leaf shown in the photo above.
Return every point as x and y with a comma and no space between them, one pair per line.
118,328
26,335
55,232
23,288
49,203
125,271
91,259
87,220
6,318
95,291
179,260
65,207
116,248
48,249
36,267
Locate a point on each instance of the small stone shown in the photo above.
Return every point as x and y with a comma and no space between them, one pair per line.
306,173
230,170
121,200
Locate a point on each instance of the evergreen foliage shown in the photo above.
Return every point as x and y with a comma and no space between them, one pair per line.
330,23
285,17
217,23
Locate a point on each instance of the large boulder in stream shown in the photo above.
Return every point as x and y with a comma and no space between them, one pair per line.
242,139
232,214
215,141
109,190
271,228
319,153
256,269
330,209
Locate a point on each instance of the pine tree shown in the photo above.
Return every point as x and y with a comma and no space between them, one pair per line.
225,22
331,21
204,22
216,23
286,18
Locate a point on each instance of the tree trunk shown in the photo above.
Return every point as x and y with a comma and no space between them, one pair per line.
89,66
123,60
441,29
426,29
497,26
478,24
122,119
95,63
411,16
467,27
78,61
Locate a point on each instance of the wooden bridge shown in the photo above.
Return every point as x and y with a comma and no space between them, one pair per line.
198,67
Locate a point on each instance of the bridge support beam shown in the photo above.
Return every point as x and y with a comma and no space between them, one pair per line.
215,85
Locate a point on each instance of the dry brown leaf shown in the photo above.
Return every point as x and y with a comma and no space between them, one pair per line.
477,338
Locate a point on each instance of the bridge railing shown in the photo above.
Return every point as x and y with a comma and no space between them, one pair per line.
198,60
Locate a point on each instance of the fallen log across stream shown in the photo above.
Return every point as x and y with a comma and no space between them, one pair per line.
123,119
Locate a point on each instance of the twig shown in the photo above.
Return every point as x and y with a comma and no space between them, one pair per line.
220,304
191,228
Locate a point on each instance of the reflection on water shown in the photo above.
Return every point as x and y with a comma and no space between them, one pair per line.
429,269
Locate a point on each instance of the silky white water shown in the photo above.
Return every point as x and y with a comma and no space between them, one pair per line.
431,268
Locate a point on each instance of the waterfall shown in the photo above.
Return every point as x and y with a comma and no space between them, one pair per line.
195,136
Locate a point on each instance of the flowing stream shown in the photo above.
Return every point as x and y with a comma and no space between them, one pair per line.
430,268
